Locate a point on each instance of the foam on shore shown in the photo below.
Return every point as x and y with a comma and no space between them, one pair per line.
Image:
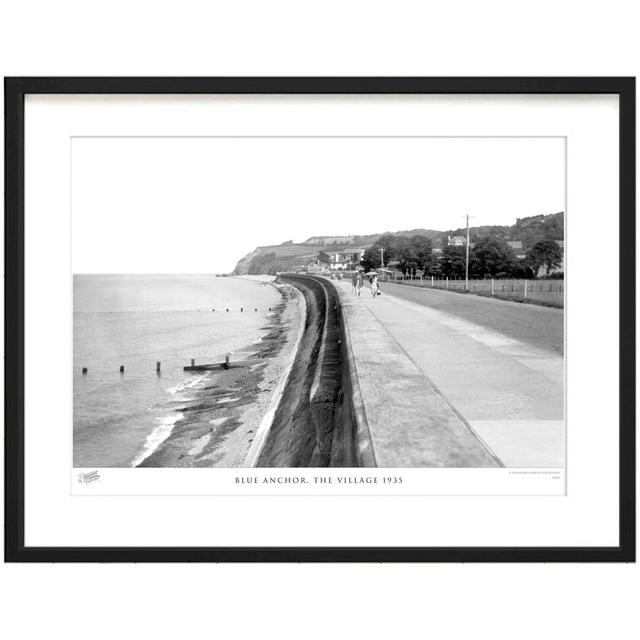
157,437
164,429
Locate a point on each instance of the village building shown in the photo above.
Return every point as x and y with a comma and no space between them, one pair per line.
517,247
347,259
559,269
315,267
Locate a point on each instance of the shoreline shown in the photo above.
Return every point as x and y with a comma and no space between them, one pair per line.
218,426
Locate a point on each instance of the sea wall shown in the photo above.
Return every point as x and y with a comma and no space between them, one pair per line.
358,448
320,420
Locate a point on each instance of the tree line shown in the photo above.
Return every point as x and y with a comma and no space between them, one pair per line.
488,257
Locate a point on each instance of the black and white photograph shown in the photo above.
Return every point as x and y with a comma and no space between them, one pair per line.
318,301
294,318
320,320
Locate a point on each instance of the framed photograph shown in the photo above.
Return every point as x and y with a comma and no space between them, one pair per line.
320,319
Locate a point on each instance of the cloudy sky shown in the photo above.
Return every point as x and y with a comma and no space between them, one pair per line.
197,205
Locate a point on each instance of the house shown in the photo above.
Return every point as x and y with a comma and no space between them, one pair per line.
347,259
456,241
314,267
560,269
518,249
384,275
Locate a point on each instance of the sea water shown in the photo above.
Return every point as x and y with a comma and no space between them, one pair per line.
135,321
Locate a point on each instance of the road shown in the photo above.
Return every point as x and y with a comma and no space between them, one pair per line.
497,364
536,325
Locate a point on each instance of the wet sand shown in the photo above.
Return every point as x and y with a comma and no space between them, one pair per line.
219,423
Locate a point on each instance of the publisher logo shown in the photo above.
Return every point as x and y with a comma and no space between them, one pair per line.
88,477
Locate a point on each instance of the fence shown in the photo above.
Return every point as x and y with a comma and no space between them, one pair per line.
550,291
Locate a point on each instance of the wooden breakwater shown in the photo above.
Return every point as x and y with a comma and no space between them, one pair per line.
215,366
227,364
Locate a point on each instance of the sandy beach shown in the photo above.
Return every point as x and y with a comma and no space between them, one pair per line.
219,424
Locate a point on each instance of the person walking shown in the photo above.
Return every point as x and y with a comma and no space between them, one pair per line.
358,283
375,288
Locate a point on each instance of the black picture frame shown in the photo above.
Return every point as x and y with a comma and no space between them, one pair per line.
15,91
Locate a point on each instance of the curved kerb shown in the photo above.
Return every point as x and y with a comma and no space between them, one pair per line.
253,455
359,444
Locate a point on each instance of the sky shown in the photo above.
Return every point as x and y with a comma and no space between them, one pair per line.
198,205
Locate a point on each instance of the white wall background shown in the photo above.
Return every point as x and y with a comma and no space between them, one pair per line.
329,38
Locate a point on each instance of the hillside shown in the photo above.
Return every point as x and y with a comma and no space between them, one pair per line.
289,256
272,258
529,230
282,257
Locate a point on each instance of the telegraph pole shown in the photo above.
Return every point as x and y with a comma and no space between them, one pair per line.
382,256
466,264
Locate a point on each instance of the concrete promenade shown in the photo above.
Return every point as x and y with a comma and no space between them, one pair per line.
442,390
